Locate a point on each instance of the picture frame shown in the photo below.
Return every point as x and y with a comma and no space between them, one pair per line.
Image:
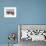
9,12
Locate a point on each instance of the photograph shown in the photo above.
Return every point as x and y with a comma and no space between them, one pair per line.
9,11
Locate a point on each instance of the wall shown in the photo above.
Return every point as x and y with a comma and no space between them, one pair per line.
28,12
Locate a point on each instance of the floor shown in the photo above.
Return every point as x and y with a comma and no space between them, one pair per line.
7,45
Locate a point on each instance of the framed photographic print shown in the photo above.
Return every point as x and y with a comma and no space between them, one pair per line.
9,11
